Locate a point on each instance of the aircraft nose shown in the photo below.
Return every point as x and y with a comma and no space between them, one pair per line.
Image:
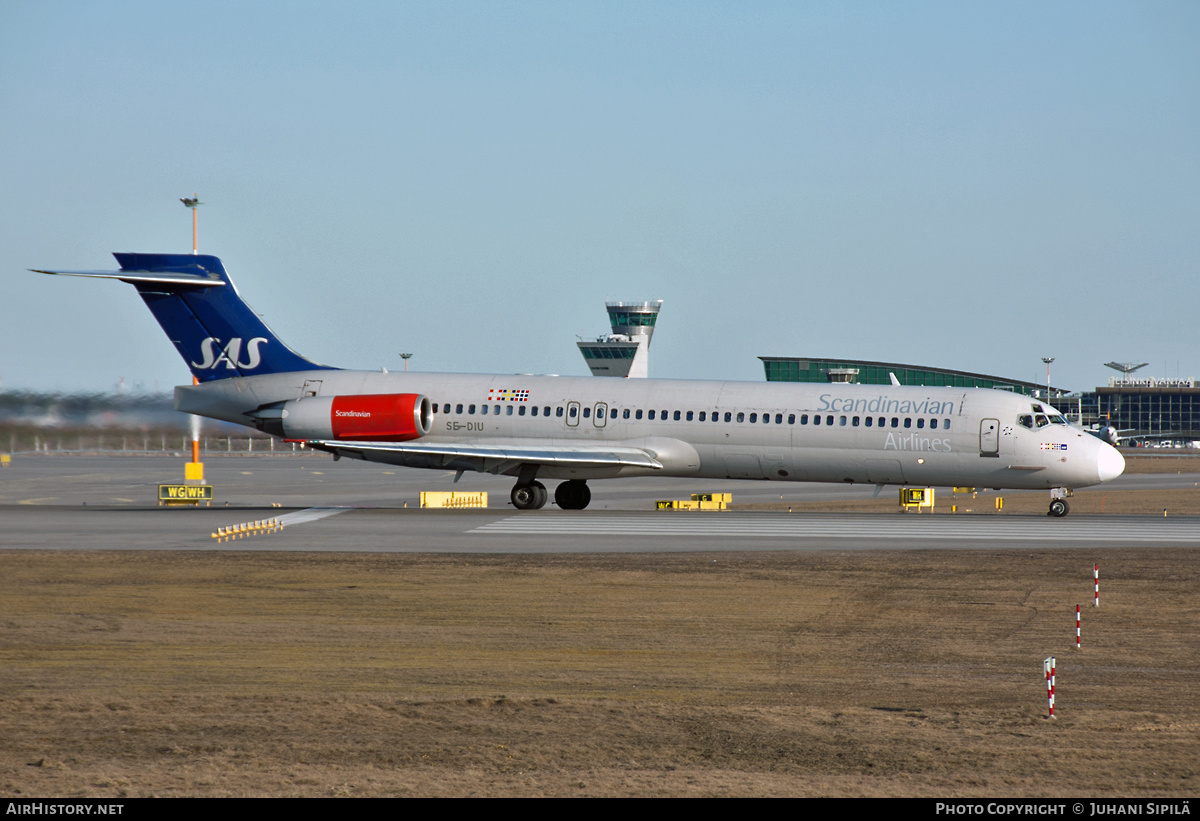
1109,463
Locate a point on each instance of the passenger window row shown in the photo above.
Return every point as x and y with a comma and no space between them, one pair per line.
828,420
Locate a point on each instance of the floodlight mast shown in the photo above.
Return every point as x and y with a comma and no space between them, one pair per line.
191,202
1047,360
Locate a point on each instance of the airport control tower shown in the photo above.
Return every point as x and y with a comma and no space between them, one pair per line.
626,351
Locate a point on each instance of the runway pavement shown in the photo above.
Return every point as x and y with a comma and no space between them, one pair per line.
105,503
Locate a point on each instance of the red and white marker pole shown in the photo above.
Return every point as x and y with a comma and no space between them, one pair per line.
1096,578
1076,627
1048,668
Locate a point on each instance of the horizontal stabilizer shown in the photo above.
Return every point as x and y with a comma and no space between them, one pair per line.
139,277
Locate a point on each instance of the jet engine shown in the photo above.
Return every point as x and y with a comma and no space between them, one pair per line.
385,417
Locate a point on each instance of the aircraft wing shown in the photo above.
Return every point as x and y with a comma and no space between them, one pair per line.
487,458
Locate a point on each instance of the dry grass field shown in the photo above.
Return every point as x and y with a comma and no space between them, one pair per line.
734,674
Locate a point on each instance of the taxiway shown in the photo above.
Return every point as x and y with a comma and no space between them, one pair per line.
106,503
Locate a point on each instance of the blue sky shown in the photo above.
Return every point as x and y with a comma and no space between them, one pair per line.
964,185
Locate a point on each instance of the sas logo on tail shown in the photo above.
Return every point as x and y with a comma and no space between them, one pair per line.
230,353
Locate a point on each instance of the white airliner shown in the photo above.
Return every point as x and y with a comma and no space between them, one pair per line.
576,429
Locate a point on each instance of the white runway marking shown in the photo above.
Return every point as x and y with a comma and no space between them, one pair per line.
310,515
849,527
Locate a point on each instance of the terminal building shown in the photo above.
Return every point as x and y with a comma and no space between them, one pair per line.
1154,409
863,372
625,351
1141,409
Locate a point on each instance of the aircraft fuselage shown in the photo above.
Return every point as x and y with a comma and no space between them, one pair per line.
786,432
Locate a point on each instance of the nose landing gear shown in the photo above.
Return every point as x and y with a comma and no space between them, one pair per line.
1058,502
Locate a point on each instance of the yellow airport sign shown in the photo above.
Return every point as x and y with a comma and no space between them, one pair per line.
190,494
442,498
693,503
917,497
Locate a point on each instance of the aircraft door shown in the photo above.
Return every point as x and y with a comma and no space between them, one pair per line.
600,414
989,437
573,414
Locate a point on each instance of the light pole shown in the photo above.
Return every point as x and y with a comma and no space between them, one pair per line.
406,357
191,202
1047,360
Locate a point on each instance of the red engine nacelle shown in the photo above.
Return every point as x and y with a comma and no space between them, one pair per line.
384,417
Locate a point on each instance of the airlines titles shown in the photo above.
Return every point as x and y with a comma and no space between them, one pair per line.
882,404
914,441
229,354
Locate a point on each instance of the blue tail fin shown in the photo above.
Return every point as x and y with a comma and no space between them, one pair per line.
195,302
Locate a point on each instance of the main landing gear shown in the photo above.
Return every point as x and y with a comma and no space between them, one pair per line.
571,495
1058,503
530,496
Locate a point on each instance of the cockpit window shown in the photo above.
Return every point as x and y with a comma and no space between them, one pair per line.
1040,420
1026,420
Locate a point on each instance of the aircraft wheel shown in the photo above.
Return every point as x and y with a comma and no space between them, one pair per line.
572,495
528,497
1058,508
